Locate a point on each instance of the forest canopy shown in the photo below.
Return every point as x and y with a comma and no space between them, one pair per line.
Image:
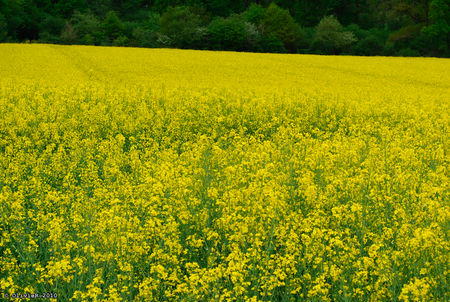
354,27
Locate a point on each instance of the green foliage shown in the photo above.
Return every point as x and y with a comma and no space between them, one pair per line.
440,23
254,14
405,33
120,41
181,25
3,28
253,37
369,46
67,7
46,37
22,18
112,26
101,7
271,44
152,22
88,39
357,31
218,7
69,34
50,28
227,34
389,49
52,24
279,23
129,27
331,38
408,52
88,28
145,37
416,12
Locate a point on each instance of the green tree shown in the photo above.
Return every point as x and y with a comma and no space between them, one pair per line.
253,37
144,37
67,7
23,18
152,22
271,44
254,13
414,11
88,28
440,23
85,23
278,22
146,33
227,34
52,24
218,7
181,25
310,12
120,41
112,26
100,7
69,34
330,37
3,28
369,46
50,29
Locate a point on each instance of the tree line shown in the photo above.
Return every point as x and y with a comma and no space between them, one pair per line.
358,27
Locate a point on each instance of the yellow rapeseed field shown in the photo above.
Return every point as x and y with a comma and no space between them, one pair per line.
177,175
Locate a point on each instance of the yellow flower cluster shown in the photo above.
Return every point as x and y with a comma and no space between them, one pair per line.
157,174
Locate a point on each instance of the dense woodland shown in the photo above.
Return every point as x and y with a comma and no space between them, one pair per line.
358,27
